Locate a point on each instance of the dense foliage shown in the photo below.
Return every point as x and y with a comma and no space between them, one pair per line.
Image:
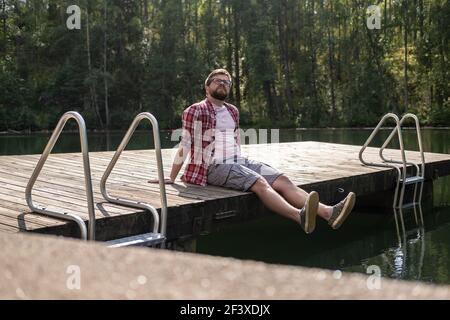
302,63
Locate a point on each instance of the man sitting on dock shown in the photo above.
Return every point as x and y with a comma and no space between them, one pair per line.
211,136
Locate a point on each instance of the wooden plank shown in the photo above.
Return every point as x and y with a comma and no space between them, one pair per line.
58,190
62,188
59,173
7,228
322,166
10,209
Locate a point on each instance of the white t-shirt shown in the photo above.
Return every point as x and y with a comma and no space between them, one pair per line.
225,144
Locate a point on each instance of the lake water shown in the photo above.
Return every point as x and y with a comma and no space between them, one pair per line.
367,239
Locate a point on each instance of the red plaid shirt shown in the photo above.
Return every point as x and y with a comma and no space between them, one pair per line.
199,123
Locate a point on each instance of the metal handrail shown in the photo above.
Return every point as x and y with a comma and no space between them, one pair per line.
419,139
87,176
134,204
401,173
419,172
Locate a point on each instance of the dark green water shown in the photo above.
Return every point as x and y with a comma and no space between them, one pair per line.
366,239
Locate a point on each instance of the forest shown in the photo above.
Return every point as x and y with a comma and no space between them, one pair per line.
295,63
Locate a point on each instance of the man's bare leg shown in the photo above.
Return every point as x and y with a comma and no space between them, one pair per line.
297,196
274,201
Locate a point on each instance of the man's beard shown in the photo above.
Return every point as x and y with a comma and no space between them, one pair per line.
222,95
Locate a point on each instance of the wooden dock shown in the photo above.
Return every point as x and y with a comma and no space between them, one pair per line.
331,169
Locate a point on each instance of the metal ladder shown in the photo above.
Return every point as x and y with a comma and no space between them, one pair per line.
400,166
147,239
87,177
157,235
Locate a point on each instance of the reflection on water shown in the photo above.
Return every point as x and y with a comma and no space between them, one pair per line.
422,254
418,250
367,239
411,243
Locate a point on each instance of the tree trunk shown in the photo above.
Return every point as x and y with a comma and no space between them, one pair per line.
442,91
339,62
237,67
405,39
210,25
385,19
421,19
313,64
92,90
145,12
414,23
284,55
272,111
331,69
4,24
229,36
196,24
105,79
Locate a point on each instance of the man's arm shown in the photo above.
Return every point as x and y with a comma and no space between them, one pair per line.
188,117
180,157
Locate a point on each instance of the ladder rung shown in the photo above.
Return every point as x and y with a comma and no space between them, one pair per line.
409,205
146,239
411,180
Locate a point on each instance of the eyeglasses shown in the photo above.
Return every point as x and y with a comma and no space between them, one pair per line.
220,81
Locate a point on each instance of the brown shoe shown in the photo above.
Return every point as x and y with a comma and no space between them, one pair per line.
342,210
309,212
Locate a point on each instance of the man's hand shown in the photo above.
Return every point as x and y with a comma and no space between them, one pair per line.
166,181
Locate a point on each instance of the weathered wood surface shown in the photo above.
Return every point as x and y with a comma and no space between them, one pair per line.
323,167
